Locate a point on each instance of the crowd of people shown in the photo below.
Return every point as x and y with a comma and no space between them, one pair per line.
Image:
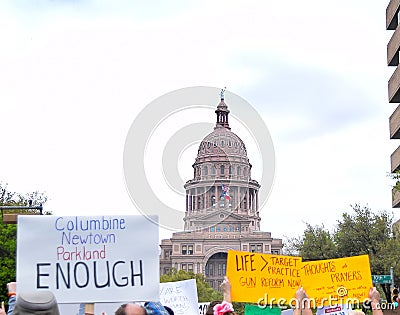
44,303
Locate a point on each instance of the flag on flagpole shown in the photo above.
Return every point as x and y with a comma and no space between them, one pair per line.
225,192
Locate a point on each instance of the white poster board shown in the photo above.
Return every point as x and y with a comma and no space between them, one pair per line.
289,311
180,296
69,309
341,309
88,259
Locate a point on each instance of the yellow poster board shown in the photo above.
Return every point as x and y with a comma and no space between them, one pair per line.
337,281
263,278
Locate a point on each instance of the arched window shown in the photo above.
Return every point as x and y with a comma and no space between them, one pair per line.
213,170
238,171
230,169
205,169
222,169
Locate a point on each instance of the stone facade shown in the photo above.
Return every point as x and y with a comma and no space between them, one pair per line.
222,208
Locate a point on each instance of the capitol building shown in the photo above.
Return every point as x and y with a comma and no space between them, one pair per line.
222,208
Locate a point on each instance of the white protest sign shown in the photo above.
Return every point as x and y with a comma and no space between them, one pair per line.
334,310
87,259
180,296
70,309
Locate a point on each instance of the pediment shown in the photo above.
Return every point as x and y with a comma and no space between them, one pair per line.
222,215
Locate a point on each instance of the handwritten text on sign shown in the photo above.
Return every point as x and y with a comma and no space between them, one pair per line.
88,259
181,296
337,281
263,278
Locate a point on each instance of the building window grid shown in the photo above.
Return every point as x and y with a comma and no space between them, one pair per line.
256,248
220,270
187,249
167,254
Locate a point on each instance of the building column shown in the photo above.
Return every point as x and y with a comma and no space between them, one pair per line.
238,198
207,196
191,201
250,200
257,205
253,203
247,199
203,199
195,199
216,197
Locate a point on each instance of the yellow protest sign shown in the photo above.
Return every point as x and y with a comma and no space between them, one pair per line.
263,278
337,281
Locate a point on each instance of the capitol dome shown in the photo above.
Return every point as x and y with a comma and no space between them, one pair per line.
222,142
222,152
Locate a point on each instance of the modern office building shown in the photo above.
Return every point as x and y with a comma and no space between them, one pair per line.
222,208
392,24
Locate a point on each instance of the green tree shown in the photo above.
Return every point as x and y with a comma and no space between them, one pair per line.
358,232
365,232
315,243
205,292
8,233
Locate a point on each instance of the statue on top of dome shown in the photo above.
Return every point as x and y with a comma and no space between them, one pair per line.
222,94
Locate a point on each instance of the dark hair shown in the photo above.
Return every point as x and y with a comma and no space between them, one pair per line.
121,310
210,309
170,311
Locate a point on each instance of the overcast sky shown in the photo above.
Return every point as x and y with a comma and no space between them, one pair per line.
75,74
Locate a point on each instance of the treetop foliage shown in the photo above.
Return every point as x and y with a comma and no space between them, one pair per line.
356,233
8,233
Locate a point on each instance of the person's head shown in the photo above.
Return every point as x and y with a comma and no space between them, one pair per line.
130,309
224,308
210,309
36,303
156,308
